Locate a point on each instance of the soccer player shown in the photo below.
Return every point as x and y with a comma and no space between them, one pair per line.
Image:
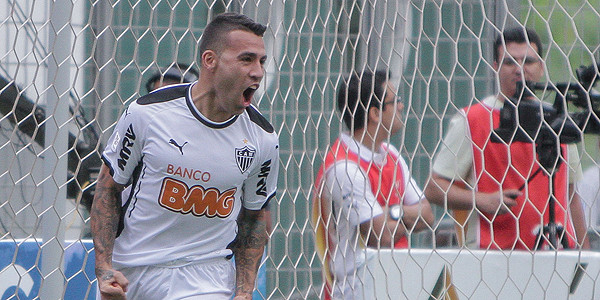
202,163
365,195
178,73
498,179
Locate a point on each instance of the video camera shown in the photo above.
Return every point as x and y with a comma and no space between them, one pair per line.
525,119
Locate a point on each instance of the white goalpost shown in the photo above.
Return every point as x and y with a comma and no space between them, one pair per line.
68,68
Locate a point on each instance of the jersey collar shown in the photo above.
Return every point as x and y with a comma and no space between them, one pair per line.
200,117
363,152
492,102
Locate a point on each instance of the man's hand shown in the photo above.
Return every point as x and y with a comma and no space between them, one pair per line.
112,284
498,202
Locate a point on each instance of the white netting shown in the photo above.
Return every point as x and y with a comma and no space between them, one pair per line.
68,67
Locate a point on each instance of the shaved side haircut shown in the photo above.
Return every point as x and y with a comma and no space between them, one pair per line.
221,25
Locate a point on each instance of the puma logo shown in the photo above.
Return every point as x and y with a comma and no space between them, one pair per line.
174,143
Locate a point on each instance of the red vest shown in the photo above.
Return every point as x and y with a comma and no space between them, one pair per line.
387,184
387,181
499,165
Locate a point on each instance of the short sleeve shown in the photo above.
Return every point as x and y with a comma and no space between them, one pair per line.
350,192
261,184
412,192
454,159
588,189
124,149
574,161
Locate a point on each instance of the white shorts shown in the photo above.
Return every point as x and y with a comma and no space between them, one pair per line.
214,279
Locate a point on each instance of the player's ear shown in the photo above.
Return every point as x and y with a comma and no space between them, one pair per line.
209,59
374,114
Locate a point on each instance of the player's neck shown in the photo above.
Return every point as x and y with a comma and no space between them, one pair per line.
367,139
205,101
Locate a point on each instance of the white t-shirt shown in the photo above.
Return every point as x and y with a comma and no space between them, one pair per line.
588,189
354,203
189,177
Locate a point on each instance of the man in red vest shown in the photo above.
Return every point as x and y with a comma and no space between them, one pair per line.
365,195
499,181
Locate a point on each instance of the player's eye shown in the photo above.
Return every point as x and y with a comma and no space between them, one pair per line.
509,62
531,60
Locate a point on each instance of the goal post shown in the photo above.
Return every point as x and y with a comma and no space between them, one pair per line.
68,68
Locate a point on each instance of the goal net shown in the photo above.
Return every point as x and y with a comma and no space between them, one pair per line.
68,68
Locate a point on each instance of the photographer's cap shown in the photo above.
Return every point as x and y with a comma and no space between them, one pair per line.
178,72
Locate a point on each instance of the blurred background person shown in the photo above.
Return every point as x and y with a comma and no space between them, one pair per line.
502,180
175,74
366,196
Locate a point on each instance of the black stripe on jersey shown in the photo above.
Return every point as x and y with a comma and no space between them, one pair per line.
165,94
111,171
258,118
135,178
231,247
268,200
138,173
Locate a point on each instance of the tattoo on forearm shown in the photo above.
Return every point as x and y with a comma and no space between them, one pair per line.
251,239
104,221
104,274
252,234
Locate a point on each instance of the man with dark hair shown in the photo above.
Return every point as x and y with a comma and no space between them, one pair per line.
365,195
212,37
517,35
202,163
498,180
175,74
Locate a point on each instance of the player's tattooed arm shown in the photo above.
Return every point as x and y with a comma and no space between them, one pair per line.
250,244
104,222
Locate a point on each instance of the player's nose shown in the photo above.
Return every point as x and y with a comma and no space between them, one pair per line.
257,70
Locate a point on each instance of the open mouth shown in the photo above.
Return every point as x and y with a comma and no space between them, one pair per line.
249,93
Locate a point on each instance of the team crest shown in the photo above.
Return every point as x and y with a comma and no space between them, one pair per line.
244,157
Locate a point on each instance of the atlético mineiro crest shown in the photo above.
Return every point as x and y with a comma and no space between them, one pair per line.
244,157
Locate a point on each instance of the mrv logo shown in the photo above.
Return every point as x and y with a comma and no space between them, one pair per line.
262,183
126,144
